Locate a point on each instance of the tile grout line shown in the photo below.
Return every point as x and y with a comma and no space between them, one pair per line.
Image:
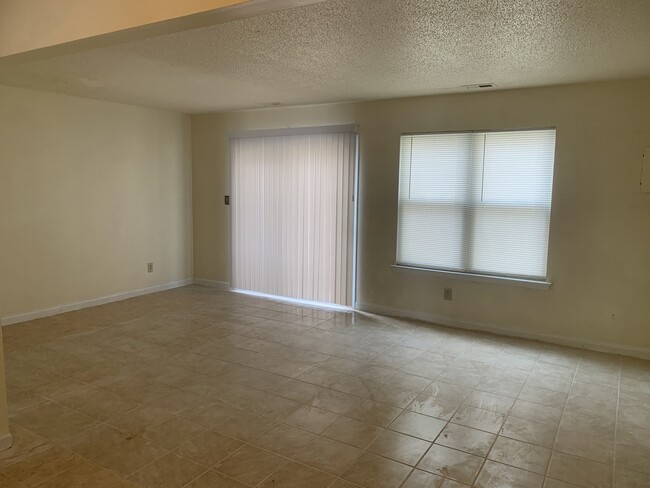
557,433
487,454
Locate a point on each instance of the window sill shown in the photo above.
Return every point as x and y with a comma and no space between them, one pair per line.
497,280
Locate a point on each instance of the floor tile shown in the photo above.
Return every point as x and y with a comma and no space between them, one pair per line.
417,425
441,389
131,455
250,465
586,446
8,482
376,472
490,401
95,441
374,413
478,419
54,421
543,396
213,479
520,455
396,397
353,432
295,475
327,455
284,440
450,463
631,479
497,475
173,432
633,449
207,415
42,466
422,479
580,471
441,408
530,431
312,419
171,471
96,402
400,447
500,386
466,439
25,443
244,427
551,483
535,411
341,483
87,475
541,380
208,448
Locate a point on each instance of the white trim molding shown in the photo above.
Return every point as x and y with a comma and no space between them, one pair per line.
221,285
613,348
477,278
296,131
69,307
6,441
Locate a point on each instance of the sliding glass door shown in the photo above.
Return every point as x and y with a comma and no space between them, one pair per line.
293,213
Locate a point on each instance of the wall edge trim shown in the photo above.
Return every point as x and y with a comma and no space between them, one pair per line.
612,348
93,302
6,441
222,285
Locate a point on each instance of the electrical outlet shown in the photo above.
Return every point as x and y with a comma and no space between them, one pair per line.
447,294
149,267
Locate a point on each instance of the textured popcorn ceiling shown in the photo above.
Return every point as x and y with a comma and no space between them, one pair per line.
341,50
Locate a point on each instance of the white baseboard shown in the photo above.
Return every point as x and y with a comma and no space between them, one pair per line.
6,441
222,285
625,350
48,312
640,352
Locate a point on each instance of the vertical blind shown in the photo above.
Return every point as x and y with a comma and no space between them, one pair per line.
476,202
293,215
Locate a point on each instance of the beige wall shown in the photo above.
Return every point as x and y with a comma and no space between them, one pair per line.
90,192
599,251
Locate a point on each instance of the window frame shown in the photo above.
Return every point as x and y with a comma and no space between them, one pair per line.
496,278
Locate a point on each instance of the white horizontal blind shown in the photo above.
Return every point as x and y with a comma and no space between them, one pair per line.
292,215
476,202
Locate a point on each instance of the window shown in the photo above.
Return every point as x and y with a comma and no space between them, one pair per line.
476,202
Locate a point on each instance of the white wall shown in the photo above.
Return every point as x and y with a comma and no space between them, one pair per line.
599,251
89,193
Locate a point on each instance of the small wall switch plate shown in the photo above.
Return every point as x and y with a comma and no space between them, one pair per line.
149,267
226,200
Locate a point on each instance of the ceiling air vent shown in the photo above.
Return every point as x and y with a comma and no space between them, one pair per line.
479,86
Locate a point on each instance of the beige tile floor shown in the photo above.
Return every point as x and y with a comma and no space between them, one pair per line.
207,389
